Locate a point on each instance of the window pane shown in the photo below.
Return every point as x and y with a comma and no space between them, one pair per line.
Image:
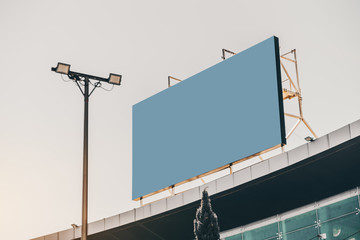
303,234
265,232
342,228
300,221
338,209
235,237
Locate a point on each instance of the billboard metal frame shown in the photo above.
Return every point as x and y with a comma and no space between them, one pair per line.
294,91
169,80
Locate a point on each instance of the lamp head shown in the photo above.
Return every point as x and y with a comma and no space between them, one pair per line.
62,68
74,225
115,79
309,139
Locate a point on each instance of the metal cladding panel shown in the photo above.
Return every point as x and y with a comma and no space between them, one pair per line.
229,111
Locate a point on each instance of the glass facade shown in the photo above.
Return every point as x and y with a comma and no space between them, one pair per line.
336,221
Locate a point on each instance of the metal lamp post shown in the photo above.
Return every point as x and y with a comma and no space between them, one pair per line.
77,77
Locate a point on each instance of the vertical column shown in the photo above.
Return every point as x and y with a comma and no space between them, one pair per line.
85,163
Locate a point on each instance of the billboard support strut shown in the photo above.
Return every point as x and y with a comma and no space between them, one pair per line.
293,91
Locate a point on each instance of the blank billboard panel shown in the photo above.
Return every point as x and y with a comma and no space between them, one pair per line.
225,113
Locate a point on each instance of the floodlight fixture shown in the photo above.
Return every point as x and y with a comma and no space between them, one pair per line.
62,68
82,80
74,226
115,79
309,139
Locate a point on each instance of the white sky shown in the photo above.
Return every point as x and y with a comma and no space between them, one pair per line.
41,119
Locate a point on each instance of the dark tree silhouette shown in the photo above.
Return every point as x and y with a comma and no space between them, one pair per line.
206,225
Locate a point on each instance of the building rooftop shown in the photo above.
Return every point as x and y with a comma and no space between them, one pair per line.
308,173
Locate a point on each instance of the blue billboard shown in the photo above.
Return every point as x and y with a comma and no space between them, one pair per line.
225,113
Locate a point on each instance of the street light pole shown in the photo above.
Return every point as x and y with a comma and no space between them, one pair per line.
85,162
85,78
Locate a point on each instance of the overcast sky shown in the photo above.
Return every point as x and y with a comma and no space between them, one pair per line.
41,121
